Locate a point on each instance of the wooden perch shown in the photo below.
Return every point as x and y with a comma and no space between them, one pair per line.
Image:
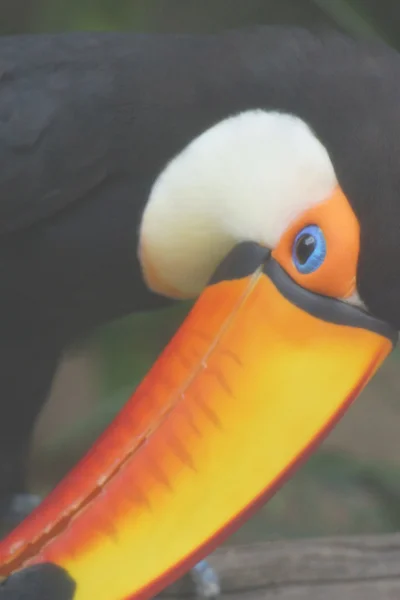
348,568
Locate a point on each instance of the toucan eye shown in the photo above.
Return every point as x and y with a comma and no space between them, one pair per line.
309,249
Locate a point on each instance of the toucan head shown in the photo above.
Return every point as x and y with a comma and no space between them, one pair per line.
250,219
260,177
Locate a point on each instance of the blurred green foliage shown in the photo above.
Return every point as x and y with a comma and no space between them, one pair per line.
331,494
359,17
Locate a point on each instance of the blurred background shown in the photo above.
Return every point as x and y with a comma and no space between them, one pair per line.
352,484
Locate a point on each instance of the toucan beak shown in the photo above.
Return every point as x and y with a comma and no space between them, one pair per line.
258,373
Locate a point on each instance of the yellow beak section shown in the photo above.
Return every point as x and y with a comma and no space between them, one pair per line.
244,391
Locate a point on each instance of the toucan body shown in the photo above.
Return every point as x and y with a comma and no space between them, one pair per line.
254,170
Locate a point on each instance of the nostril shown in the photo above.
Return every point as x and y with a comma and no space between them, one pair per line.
243,260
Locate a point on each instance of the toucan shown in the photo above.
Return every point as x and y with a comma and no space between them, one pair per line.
254,170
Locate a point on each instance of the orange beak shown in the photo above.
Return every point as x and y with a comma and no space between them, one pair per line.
256,376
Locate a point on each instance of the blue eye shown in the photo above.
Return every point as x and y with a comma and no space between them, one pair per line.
309,249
